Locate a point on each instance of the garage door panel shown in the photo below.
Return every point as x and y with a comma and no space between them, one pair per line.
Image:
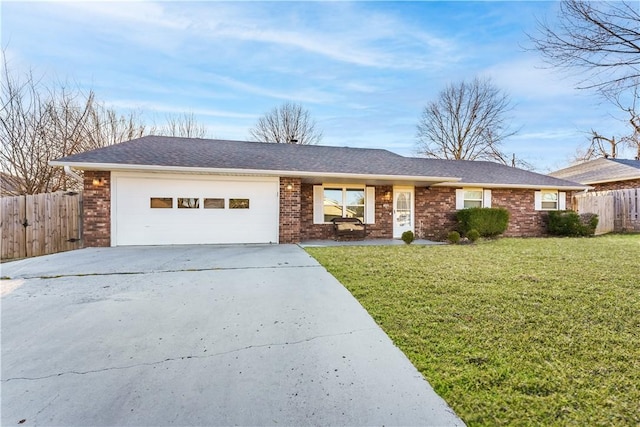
139,224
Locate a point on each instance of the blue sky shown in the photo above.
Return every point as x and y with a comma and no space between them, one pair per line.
364,70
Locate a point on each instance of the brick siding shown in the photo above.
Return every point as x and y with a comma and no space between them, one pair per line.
290,210
618,185
97,209
436,212
524,221
382,229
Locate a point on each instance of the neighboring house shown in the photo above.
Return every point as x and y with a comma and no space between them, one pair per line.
166,190
603,174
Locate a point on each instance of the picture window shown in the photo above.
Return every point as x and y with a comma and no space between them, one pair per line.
343,203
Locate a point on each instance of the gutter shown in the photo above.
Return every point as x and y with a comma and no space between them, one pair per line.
519,186
71,174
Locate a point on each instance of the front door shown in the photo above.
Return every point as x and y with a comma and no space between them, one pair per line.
402,210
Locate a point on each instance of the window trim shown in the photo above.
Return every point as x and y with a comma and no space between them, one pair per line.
485,200
561,200
318,201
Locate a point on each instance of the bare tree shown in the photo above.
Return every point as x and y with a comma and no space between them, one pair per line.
40,123
287,124
184,125
601,39
37,126
599,146
631,140
105,127
467,121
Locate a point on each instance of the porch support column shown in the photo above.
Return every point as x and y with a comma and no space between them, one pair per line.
290,210
96,200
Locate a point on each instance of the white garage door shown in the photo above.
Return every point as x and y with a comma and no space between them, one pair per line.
176,209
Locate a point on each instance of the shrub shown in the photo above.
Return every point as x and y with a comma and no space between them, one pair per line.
408,237
569,223
453,237
590,221
473,235
489,222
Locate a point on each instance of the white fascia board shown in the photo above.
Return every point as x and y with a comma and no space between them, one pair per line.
605,181
257,172
516,186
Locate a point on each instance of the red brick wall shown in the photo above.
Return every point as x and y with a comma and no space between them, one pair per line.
435,212
436,209
618,185
383,227
290,210
97,209
524,221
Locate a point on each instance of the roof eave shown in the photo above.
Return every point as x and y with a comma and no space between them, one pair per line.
605,181
521,186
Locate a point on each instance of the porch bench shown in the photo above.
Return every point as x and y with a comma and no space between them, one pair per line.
349,227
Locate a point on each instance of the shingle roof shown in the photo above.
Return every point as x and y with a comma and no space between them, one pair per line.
224,154
211,154
600,170
484,172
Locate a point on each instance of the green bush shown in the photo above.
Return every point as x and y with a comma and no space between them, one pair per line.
453,237
569,223
408,237
473,235
489,222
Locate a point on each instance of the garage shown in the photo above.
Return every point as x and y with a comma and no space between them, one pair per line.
173,209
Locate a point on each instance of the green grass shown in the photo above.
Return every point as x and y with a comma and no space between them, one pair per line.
512,331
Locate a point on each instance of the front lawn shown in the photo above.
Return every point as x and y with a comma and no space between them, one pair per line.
512,331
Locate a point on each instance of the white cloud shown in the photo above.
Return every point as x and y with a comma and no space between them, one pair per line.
524,77
133,104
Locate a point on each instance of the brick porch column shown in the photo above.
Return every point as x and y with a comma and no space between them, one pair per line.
96,199
290,210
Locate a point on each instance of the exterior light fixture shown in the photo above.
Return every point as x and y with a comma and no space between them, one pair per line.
289,187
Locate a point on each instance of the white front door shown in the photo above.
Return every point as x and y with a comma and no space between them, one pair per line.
402,210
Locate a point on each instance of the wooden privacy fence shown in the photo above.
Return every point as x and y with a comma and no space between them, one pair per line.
40,224
617,210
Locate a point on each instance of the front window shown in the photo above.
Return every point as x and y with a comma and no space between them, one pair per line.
549,200
343,203
473,198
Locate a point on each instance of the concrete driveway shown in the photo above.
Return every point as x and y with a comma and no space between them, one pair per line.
198,335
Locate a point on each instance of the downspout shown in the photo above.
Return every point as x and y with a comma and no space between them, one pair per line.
72,174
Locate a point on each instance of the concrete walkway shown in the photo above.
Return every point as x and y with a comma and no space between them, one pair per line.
198,335
366,242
